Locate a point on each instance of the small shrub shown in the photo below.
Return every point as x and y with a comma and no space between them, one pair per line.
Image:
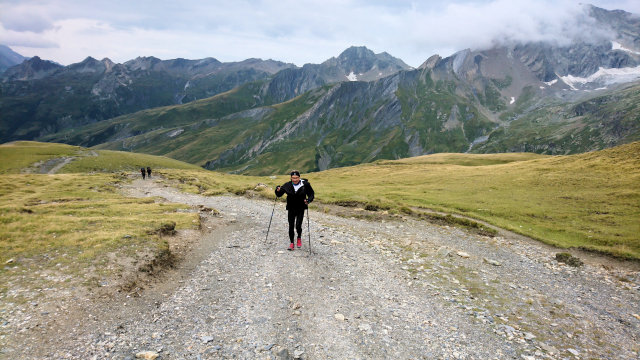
406,210
569,259
347,203
167,228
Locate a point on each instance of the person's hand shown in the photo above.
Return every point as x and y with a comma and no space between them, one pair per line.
277,188
306,202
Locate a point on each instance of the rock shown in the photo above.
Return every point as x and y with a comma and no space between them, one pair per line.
463,254
529,336
10,261
548,348
492,262
283,355
365,327
206,339
147,355
443,251
573,351
297,354
636,316
339,317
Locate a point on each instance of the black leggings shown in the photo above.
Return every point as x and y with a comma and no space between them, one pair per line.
295,218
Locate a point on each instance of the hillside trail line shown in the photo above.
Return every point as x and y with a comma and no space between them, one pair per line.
386,289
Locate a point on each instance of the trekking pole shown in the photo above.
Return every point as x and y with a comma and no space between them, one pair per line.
272,211
309,229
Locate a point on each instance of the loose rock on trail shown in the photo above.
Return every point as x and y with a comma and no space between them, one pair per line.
392,288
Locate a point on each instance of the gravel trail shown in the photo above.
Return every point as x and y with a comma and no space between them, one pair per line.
397,289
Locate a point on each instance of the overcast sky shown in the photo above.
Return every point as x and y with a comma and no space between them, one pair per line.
297,31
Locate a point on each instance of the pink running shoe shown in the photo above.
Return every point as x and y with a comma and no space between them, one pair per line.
291,247
299,242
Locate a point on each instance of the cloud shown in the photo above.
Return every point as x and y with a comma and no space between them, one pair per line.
287,30
25,39
483,25
25,18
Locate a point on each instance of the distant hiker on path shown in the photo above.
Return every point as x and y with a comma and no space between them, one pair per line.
149,172
299,195
142,171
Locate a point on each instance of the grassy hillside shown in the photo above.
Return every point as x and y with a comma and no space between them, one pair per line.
78,219
596,123
238,99
64,224
20,155
25,156
589,201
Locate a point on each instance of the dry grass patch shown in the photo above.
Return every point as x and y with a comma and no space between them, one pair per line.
75,222
589,201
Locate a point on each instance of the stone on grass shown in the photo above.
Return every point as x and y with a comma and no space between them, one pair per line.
492,262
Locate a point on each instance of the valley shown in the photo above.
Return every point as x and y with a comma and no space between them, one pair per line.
480,205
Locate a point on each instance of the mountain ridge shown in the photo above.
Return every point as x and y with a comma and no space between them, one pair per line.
330,115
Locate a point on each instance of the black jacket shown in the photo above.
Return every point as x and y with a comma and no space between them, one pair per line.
295,199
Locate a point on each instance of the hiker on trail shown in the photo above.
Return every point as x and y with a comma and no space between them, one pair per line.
299,195
149,172
142,171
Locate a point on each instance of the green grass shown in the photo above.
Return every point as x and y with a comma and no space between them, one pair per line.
111,161
21,154
589,201
75,222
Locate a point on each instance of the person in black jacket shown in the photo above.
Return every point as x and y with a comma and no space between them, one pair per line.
299,195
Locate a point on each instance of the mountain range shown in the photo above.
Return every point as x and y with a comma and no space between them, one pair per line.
262,117
9,58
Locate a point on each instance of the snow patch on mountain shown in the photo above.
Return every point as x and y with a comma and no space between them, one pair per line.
352,76
512,100
603,77
618,46
175,133
459,59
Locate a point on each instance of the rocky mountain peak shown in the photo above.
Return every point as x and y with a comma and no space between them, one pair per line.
9,58
431,62
88,65
356,52
33,68
108,64
360,63
142,63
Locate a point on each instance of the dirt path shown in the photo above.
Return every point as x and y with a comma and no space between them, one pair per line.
370,290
